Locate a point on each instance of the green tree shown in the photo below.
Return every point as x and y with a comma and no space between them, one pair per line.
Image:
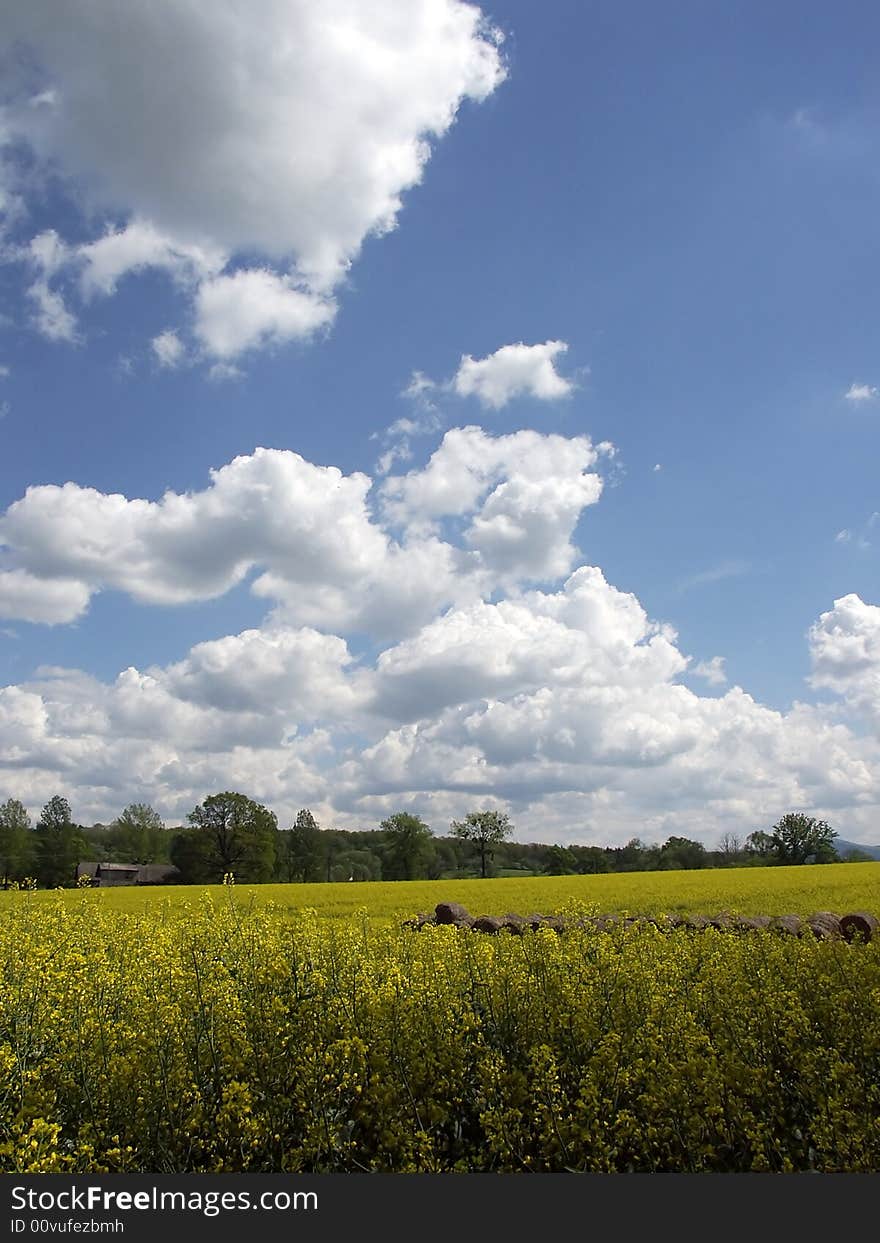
797,838
409,843
59,844
683,853
560,861
140,834
759,846
591,860
242,836
16,841
191,854
484,830
303,853
357,864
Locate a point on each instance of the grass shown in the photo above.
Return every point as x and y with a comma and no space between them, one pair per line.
749,891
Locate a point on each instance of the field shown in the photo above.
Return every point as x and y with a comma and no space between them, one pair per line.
300,1028
748,891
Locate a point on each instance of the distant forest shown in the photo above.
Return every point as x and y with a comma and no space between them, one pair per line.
230,834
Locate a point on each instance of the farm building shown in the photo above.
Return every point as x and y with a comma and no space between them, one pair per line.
106,874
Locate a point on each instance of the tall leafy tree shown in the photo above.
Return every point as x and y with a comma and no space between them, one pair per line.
798,838
60,844
303,854
139,833
191,854
16,841
409,844
241,836
682,852
484,830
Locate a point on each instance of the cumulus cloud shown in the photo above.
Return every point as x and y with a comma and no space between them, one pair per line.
140,245
513,371
560,701
255,307
249,146
845,654
859,393
320,551
24,597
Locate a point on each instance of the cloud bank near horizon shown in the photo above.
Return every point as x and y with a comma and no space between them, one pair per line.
433,641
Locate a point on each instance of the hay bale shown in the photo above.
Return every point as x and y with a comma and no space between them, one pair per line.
752,923
487,923
514,923
824,925
791,925
723,921
859,925
453,913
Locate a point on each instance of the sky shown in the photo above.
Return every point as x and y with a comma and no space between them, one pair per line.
407,406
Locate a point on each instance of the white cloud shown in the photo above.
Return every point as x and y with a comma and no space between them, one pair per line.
845,654
513,371
560,703
289,139
168,349
712,670
138,246
255,307
23,597
859,393
52,319
4,371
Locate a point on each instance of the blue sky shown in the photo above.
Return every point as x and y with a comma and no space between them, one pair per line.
629,247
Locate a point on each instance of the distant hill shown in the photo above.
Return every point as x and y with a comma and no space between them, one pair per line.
843,847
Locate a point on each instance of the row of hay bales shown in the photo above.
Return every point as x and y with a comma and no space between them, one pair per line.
825,925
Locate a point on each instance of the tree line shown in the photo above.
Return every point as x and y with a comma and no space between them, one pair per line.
231,834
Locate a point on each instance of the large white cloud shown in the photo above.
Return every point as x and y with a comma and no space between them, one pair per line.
322,554
205,129
562,701
845,654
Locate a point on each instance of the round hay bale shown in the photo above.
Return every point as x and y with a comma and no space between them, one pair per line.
825,926
487,923
453,913
859,925
752,923
791,925
514,923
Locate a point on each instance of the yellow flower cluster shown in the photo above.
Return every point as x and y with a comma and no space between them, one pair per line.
250,1039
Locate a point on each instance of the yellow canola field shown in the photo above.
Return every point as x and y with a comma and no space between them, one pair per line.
217,1034
748,891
